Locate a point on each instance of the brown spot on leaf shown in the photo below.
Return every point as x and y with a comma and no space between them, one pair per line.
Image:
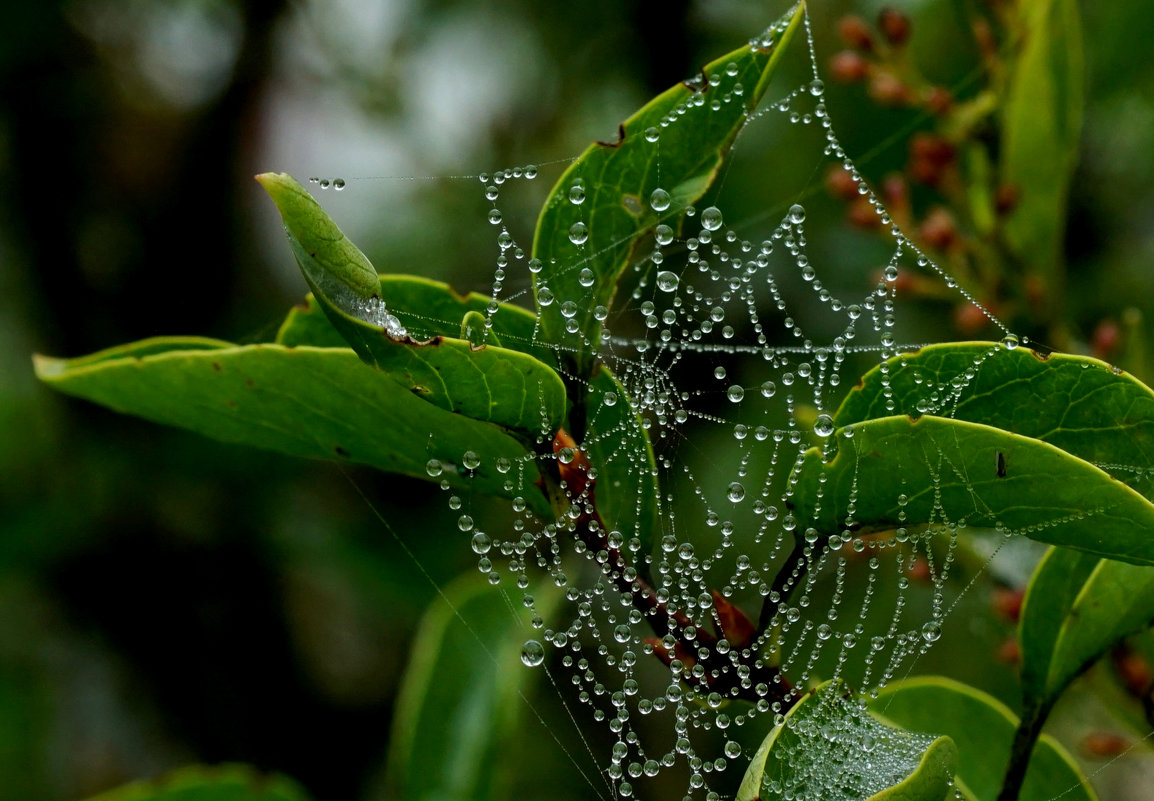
341,452
620,138
420,389
216,366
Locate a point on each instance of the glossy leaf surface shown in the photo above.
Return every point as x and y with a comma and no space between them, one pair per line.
676,143
312,402
1081,405
959,472
220,783
983,729
1077,606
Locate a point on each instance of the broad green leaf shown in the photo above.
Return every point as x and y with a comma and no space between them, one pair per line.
829,747
983,729
626,490
1041,128
218,783
312,402
1077,607
952,471
463,704
694,126
1083,406
492,384
426,309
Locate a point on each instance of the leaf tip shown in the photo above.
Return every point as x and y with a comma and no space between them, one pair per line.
48,367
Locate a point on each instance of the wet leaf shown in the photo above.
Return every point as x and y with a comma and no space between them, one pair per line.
952,471
983,729
426,309
1077,606
1083,406
616,181
312,402
619,449
218,783
817,752
462,704
492,384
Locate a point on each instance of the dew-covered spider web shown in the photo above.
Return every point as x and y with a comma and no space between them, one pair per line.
691,599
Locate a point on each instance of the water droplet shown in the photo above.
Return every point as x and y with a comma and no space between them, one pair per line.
544,295
736,492
568,309
652,134
495,216
931,631
732,749
578,233
664,234
735,393
566,455
816,88
577,194
610,399
891,273
796,214
667,281
711,218
465,523
823,425
659,200
338,184
585,277
481,543
532,653
1010,341
535,265
768,389
471,460
622,633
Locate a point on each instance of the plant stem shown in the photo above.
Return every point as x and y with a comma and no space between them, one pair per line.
1029,728
724,672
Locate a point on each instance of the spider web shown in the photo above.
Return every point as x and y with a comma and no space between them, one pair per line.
733,342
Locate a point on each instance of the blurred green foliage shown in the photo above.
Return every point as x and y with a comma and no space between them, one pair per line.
166,599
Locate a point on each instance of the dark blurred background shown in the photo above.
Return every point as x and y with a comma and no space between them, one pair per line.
166,599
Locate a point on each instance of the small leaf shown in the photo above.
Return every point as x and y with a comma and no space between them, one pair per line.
620,451
1076,607
462,703
312,402
496,385
1041,130
616,183
220,783
952,471
342,268
828,746
426,309
983,729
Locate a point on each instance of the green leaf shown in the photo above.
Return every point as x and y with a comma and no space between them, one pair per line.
618,180
222,783
312,402
829,746
1077,606
496,385
952,471
426,309
983,729
620,451
1041,128
462,704
340,265
1081,405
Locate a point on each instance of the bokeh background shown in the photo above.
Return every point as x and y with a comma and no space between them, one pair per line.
166,600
